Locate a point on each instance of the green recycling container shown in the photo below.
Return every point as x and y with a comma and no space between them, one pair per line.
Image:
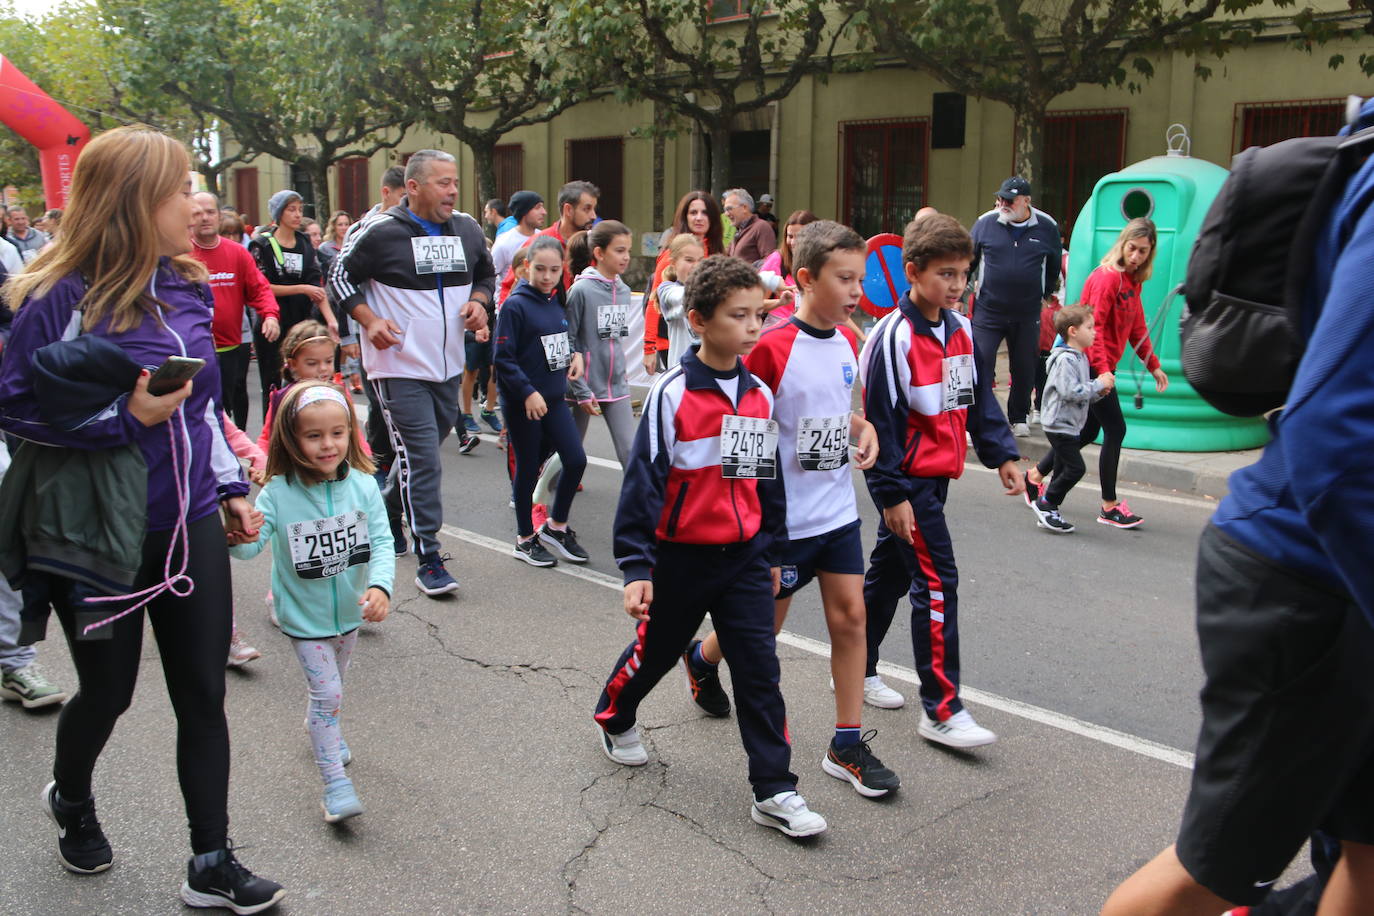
1175,191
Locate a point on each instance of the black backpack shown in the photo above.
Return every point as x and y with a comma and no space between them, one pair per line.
1249,269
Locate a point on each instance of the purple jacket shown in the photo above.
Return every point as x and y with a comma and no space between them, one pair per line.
215,473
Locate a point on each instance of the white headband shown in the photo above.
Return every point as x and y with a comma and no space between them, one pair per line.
320,393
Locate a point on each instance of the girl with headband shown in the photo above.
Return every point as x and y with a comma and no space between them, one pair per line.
332,560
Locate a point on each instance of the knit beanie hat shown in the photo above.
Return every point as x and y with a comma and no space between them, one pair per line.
278,202
522,202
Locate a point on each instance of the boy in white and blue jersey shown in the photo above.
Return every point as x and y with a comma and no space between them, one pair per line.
810,363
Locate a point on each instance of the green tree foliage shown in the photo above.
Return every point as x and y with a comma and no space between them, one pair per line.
67,55
476,70
1024,53
295,81
675,53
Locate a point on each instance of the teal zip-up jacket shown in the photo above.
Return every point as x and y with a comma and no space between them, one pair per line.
330,542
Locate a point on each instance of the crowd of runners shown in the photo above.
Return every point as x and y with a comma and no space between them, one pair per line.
738,459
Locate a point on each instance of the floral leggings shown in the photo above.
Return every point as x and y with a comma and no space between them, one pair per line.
324,662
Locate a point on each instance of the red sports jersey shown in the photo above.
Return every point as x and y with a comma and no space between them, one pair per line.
704,467
235,282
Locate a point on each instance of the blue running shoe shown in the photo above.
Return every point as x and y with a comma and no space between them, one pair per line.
340,801
432,578
470,424
490,418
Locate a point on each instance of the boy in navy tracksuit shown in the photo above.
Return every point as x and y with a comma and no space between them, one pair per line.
701,514
922,390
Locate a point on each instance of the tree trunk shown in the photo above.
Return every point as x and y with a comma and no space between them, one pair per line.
484,163
659,143
720,155
317,167
211,175
1029,155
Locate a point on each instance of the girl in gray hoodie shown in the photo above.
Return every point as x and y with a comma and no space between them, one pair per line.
598,321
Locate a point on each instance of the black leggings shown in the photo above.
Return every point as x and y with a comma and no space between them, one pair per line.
531,442
233,379
1104,416
193,641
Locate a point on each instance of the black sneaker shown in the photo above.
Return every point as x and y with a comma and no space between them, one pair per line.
565,542
533,553
81,844
861,768
1048,517
706,690
1032,490
228,885
467,442
398,534
1119,516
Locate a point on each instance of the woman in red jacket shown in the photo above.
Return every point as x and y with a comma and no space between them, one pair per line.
1112,291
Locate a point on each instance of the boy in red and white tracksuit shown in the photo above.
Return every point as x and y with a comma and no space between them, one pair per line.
922,392
700,517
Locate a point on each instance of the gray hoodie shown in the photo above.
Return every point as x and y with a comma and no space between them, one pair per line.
1069,389
598,322
673,306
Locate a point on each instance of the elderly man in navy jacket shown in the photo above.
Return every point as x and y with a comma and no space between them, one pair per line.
1016,262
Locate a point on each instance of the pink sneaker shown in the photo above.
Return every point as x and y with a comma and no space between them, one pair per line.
1119,516
539,514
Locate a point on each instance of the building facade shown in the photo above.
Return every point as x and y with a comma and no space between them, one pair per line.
870,148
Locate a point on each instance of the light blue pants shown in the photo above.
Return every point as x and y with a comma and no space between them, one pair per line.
325,662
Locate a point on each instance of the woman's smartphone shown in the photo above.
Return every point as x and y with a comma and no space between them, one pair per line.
171,375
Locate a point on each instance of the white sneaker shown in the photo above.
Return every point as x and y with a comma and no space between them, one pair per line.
959,730
272,610
878,694
1034,418
1020,430
624,748
787,812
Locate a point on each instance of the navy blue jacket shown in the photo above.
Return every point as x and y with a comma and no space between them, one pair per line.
526,318
1308,503
1015,273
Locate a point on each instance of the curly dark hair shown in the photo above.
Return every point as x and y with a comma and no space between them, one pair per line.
714,279
935,236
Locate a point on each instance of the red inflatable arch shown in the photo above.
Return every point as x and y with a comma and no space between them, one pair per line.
32,114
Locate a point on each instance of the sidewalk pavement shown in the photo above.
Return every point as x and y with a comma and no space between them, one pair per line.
1193,473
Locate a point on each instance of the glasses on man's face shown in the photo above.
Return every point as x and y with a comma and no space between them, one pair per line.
1001,204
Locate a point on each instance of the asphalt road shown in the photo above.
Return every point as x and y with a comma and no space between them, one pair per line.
469,719
1097,625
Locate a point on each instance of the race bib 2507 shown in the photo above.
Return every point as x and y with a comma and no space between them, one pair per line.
438,254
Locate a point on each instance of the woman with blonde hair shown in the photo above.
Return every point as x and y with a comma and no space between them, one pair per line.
122,276
1112,291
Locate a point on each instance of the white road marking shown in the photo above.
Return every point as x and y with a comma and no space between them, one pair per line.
1100,733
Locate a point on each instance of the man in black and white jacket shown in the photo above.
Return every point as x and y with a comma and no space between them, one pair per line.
414,279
